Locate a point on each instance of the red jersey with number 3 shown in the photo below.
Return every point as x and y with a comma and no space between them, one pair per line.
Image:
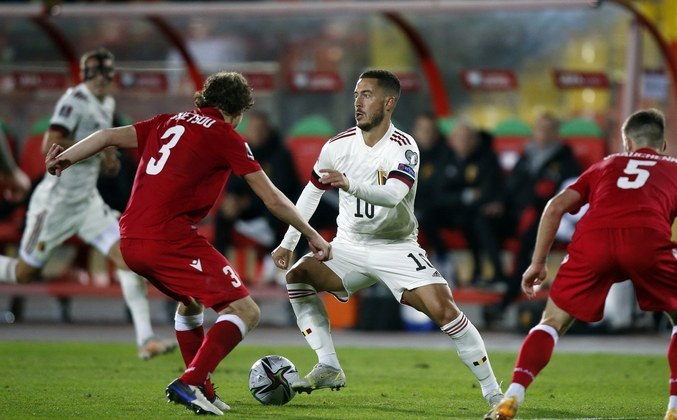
186,159
637,189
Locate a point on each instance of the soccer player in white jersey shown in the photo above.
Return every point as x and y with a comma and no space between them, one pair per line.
71,205
375,167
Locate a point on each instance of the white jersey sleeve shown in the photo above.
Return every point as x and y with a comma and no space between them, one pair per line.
81,113
307,204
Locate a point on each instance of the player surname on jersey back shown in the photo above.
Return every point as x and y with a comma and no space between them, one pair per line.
648,156
190,117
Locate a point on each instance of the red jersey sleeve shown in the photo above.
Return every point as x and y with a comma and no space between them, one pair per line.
143,128
583,184
240,156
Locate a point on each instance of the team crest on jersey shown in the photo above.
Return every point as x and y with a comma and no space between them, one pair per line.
65,111
382,176
250,155
412,157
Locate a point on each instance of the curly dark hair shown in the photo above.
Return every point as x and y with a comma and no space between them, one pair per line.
228,91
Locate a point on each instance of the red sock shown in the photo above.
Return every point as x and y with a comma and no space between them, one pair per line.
533,356
672,361
220,340
190,342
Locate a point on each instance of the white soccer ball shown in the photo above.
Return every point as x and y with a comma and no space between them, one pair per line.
270,380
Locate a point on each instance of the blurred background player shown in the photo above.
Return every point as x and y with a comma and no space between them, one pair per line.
625,233
159,235
71,205
375,166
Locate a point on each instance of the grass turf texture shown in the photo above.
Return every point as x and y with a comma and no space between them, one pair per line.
88,380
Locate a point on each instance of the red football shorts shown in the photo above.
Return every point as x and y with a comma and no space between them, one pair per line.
599,258
185,268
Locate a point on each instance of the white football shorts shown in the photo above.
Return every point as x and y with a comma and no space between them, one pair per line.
48,225
400,267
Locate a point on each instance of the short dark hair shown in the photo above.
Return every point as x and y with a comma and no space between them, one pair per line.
228,91
646,127
386,80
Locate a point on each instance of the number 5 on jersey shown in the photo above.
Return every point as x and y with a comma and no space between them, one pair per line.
640,175
154,167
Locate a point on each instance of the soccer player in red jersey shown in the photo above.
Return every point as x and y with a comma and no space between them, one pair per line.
626,233
186,159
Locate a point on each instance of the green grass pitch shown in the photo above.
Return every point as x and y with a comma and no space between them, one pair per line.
99,380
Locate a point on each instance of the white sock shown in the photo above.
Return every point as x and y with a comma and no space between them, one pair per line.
516,390
135,292
188,322
8,269
471,350
313,321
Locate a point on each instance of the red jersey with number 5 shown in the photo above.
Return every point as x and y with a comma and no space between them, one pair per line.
186,159
625,190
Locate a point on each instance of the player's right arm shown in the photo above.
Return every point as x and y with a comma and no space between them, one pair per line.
306,205
55,136
57,159
568,200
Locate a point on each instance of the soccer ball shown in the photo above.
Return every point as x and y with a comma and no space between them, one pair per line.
270,380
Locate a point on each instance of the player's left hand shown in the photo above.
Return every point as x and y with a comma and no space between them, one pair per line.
535,275
334,178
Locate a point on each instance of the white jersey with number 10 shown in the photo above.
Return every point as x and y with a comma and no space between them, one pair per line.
395,158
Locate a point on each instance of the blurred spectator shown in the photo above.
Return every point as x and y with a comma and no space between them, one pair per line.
430,145
539,173
241,210
467,196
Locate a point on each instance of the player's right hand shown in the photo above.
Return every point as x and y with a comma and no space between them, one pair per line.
281,257
53,164
535,275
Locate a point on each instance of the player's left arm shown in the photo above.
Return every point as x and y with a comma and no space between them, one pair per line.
568,200
57,159
388,195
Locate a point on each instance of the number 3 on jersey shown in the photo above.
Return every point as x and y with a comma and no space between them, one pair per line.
640,175
154,167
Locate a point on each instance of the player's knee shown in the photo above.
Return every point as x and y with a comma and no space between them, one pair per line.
298,274
25,273
245,309
444,314
251,315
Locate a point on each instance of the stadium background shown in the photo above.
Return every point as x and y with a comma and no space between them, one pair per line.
500,63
